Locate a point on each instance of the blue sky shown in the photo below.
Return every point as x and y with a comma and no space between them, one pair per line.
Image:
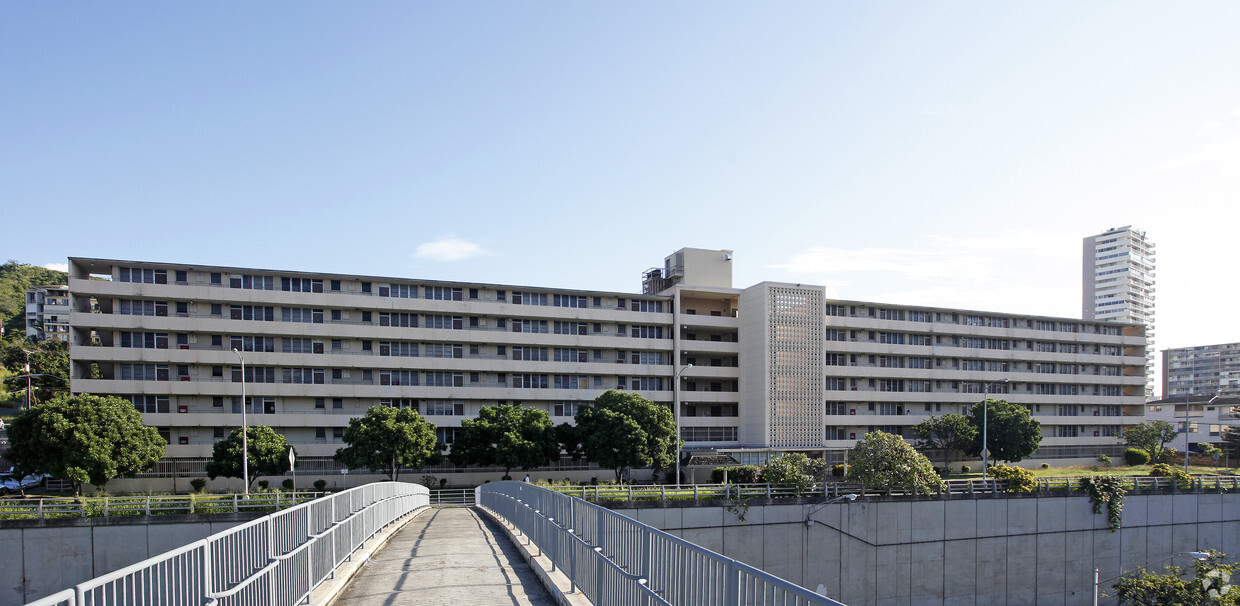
947,154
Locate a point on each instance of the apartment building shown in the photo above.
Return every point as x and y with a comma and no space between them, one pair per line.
768,368
47,313
1201,371
1199,419
1117,272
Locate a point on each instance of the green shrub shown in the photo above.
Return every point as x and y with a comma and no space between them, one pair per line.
320,484
287,484
1136,456
263,484
1018,479
791,470
965,469
737,474
1163,470
198,484
1046,466
1104,459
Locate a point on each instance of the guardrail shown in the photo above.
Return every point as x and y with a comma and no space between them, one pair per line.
957,488
85,507
616,560
276,560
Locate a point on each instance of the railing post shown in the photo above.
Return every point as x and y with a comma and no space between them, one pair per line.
148,504
731,587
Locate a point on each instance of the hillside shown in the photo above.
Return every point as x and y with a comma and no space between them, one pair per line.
15,278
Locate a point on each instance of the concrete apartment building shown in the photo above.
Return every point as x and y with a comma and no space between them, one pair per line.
47,312
1117,272
816,374
1201,371
1209,419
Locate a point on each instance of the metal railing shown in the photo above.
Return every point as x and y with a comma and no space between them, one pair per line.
616,560
85,507
276,560
955,488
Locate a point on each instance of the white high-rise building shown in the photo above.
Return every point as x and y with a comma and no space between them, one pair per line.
1117,283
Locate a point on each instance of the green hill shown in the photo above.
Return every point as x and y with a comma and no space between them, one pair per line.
15,279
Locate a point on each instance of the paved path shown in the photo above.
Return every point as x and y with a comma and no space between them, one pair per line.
446,556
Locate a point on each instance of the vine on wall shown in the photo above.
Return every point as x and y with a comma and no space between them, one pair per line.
1109,490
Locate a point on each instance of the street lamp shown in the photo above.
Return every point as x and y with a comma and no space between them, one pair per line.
1218,394
985,418
676,413
1198,555
245,443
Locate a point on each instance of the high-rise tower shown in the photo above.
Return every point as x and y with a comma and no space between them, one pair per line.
1118,283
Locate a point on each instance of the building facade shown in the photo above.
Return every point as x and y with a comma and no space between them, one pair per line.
1117,273
1209,418
1201,371
774,367
47,313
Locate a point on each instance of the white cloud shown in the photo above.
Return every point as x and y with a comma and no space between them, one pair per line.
56,266
1235,112
449,249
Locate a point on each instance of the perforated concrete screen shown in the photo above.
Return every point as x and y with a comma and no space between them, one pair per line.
795,344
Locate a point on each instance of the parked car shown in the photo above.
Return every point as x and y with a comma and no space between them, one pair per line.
9,483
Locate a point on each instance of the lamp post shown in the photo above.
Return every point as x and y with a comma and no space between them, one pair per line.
676,413
1197,555
1218,394
985,419
245,443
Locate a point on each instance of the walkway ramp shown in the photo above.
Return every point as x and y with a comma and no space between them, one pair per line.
446,556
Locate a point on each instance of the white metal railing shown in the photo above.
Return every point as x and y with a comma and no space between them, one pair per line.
276,560
616,560
149,505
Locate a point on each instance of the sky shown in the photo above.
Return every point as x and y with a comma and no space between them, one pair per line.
944,154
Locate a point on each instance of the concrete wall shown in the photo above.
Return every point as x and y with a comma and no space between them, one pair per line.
1020,550
41,558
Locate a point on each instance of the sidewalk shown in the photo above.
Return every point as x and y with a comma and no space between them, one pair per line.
446,556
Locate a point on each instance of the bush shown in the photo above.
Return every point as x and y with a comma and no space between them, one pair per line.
1163,470
790,470
263,484
287,484
1046,466
1136,456
837,471
198,484
965,469
1018,479
1105,460
320,484
886,462
737,474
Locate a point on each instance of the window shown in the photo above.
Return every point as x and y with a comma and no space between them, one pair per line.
529,381
569,382
398,377
144,372
303,375
446,435
150,404
532,326
398,319
649,384
446,293
443,408
400,291
143,308
529,298
302,284
836,335
266,344
534,354
565,409
410,403
297,314
896,338
145,340
252,312
250,282
445,379
572,355
320,433
335,285
647,306
445,322
143,276
570,328
837,408
404,349
647,332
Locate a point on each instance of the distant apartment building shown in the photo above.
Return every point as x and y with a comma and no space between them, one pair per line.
47,312
775,366
1210,417
1117,273
1201,371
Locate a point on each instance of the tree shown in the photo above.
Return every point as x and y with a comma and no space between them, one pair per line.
1011,432
83,439
1151,437
623,429
507,436
946,433
793,470
569,437
886,462
49,367
1210,583
268,454
1231,442
386,439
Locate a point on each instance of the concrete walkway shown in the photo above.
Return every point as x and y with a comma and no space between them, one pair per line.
446,556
